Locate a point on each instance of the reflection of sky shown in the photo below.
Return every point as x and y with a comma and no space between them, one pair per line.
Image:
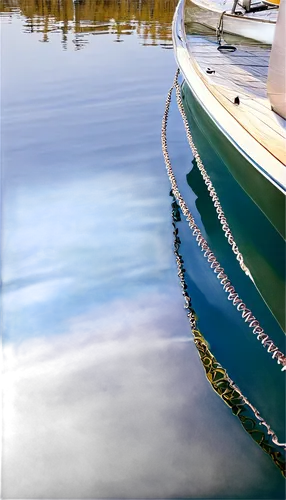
117,405
85,201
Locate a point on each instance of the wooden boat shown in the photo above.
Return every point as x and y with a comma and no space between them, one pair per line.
225,91
255,133
255,20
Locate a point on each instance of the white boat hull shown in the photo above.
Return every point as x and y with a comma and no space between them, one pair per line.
255,28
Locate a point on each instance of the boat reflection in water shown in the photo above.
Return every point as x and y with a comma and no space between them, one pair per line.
262,247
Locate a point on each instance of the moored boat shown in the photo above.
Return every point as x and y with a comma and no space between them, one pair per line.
226,93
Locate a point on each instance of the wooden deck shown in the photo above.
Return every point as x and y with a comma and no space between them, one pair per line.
242,74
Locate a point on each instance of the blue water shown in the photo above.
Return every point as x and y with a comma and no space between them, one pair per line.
104,395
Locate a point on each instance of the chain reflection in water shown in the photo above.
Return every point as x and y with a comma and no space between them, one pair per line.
222,384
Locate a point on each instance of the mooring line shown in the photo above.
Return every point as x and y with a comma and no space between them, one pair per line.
228,287
219,379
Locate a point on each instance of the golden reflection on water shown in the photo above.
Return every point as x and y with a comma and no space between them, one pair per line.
149,19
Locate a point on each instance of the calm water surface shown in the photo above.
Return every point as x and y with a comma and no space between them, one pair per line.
104,394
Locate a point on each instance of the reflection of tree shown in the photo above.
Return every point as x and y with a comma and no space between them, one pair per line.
150,19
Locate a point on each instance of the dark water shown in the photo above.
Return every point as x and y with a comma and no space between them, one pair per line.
104,394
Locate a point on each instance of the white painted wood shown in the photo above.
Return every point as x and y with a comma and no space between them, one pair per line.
258,26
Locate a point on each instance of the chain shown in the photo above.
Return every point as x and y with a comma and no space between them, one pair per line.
233,296
217,375
212,192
